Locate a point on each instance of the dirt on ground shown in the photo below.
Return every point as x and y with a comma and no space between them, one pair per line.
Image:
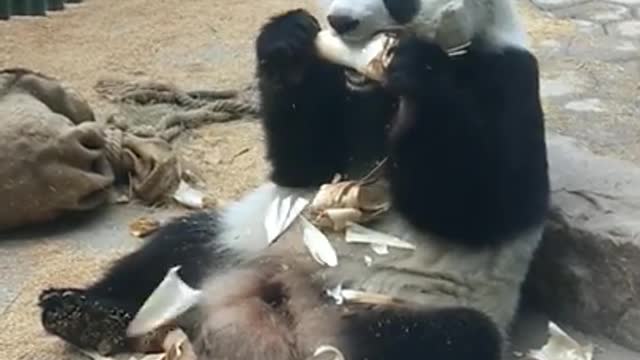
197,44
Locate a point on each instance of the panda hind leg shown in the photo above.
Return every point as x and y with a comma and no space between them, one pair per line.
444,334
95,318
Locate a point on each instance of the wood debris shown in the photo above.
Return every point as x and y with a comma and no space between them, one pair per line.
152,342
143,226
176,346
341,296
356,194
336,219
342,202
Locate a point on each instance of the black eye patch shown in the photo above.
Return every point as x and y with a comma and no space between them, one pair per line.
402,11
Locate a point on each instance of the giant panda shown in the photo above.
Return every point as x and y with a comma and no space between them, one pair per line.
467,176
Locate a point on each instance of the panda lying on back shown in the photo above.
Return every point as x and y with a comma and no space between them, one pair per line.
467,169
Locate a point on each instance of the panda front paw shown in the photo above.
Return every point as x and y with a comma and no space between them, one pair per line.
287,43
417,65
84,321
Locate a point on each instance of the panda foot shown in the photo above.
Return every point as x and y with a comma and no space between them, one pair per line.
84,321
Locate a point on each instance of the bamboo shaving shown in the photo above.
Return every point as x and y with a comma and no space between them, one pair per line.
281,214
342,296
380,249
94,355
368,260
319,245
561,346
359,234
188,196
169,300
362,297
328,349
336,294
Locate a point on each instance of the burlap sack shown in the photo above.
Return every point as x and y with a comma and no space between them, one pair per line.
55,158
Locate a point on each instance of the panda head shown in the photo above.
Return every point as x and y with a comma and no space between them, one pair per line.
449,22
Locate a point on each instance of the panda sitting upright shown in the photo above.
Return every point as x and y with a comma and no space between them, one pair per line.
466,166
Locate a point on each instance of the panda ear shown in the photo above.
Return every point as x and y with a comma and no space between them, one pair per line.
402,11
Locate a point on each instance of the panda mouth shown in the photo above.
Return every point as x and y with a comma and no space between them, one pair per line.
355,79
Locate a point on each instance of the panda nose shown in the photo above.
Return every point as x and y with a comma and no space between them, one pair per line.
342,23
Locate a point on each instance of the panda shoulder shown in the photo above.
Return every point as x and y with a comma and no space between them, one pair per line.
510,64
519,62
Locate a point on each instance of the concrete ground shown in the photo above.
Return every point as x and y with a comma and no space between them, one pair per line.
589,54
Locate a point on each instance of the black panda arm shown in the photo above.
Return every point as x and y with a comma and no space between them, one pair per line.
468,150
303,102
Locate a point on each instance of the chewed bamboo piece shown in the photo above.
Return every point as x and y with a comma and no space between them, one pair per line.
370,60
143,227
343,202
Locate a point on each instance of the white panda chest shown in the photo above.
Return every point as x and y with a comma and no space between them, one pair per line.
397,270
434,274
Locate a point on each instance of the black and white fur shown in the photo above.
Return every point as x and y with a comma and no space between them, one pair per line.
468,179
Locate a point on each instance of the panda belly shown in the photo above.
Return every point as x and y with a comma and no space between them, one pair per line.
438,274
277,300
271,306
